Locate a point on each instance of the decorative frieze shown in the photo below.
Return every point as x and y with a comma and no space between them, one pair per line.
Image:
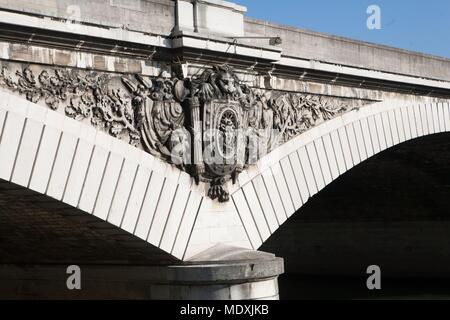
83,95
211,125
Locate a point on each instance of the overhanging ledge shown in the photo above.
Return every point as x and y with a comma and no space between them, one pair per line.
203,48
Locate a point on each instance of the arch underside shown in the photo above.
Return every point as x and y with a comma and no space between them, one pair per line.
286,179
38,230
392,211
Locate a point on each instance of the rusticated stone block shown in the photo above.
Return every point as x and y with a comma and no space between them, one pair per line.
63,58
21,52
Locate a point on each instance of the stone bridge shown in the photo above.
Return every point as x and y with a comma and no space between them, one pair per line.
160,144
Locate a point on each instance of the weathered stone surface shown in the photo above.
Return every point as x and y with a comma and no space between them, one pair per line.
157,16
126,282
304,44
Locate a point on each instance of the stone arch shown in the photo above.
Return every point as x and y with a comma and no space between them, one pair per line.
72,162
85,168
282,182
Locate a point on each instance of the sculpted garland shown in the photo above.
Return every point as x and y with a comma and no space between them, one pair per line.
212,126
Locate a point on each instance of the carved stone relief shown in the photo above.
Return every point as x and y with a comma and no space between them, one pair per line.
212,126
82,95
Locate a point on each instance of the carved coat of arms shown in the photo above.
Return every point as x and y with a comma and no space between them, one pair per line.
212,124
198,124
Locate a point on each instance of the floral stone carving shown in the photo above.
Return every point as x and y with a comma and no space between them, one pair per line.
85,96
212,126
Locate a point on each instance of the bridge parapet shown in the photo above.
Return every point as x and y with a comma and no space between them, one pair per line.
307,45
121,28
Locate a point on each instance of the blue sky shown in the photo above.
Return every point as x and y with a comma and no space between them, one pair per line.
418,25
